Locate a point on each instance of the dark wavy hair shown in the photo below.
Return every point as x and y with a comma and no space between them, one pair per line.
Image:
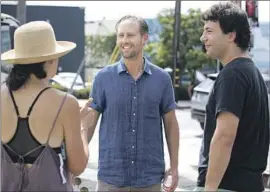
231,19
20,74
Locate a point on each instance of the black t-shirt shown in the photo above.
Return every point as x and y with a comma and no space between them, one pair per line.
241,90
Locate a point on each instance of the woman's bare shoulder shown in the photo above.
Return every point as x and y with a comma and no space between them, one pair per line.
71,102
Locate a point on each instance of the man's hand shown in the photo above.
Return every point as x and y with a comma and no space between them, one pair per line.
175,177
86,108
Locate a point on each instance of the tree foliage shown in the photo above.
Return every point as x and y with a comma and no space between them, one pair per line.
192,56
99,49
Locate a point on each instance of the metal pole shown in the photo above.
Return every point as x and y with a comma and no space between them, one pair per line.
21,11
180,66
176,52
237,2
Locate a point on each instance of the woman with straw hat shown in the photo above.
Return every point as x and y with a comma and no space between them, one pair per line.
42,140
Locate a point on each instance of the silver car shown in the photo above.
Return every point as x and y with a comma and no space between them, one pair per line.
201,93
200,97
199,100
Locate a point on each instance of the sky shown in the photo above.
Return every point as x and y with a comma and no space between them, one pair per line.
113,10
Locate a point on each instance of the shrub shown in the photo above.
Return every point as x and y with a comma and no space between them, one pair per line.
83,93
79,94
181,93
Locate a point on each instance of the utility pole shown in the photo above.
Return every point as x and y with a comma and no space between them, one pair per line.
176,45
237,2
21,11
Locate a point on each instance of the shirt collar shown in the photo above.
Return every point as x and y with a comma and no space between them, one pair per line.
122,67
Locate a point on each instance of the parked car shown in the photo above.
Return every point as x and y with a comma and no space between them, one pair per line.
198,104
65,80
201,93
200,97
8,26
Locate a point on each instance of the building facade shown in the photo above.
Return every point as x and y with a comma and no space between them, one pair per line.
68,24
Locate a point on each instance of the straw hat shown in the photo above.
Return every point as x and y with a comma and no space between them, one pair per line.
35,42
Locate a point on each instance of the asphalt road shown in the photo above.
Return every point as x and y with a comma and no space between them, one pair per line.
190,140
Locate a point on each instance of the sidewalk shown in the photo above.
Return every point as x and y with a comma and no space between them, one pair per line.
183,104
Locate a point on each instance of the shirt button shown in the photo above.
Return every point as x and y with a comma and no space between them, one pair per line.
132,162
134,113
132,147
133,130
134,97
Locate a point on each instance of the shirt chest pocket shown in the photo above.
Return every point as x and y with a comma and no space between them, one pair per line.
151,107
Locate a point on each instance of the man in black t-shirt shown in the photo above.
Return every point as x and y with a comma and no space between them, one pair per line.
235,145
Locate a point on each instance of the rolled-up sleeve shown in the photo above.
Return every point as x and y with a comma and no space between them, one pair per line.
97,93
168,99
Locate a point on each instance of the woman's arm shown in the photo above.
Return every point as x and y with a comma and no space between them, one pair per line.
75,137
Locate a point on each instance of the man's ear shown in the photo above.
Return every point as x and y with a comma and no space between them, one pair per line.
232,36
145,38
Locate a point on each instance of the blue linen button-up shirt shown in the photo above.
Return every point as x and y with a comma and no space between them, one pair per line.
130,136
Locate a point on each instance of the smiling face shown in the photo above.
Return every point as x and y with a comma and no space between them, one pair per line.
215,41
130,39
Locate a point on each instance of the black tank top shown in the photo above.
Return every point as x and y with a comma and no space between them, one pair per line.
23,135
49,171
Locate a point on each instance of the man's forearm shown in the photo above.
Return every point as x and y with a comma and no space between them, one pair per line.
172,137
219,158
91,131
89,122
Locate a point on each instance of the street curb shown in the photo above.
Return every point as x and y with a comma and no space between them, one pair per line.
183,107
183,104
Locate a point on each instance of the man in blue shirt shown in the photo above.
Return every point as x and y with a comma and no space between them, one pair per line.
134,96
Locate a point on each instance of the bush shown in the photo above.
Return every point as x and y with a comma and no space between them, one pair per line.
59,87
83,93
181,93
79,94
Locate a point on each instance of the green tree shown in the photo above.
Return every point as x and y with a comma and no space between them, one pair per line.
192,56
99,49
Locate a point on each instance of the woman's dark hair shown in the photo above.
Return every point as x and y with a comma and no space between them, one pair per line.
231,19
20,74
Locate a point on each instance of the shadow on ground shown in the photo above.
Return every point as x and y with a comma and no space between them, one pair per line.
187,184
